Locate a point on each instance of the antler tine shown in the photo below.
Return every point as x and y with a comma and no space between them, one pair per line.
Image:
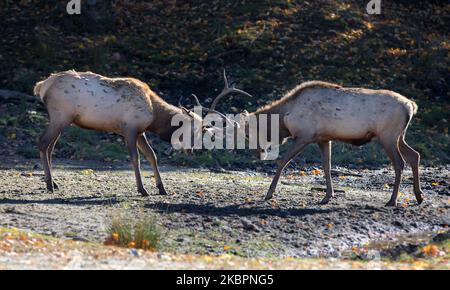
226,91
225,78
179,101
232,122
196,100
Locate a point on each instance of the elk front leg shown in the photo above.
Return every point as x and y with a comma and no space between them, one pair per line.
325,150
150,155
131,139
291,153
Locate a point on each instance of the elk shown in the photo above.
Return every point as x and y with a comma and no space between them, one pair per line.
125,106
320,112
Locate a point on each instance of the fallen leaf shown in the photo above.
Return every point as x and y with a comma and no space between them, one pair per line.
431,250
316,172
87,171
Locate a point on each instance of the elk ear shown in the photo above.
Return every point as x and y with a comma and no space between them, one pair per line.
245,113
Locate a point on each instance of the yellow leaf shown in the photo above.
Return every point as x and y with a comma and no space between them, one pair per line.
435,183
386,186
208,259
302,173
115,237
316,172
431,250
274,204
226,248
87,171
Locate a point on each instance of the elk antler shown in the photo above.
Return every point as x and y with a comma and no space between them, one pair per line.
226,91
208,110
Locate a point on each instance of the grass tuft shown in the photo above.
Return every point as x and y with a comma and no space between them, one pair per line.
144,234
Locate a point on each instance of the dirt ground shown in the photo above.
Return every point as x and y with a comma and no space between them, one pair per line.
215,213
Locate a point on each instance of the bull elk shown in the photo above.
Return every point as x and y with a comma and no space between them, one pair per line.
320,112
125,106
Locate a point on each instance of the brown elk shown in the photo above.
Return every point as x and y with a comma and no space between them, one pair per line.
125,106
320,112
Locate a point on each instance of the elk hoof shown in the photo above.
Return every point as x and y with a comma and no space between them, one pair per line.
55,186
391,203
162,191
50,187
419,198
268,196
325,200
143,192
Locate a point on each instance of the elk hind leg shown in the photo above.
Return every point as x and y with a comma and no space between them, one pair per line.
413,158
325,150
51,148
45,141
390,145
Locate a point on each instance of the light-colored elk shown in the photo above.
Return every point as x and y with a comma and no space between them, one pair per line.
125,106
320,112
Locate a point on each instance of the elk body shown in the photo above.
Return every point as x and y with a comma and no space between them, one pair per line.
320,112
125,106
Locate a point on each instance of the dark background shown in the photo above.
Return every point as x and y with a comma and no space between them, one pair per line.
181,47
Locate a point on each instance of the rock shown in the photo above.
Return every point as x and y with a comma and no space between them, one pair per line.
398,224
80,239
227,229
183,239
248,225
134,252
441,237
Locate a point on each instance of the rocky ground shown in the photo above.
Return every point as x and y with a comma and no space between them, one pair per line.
215,213
26,250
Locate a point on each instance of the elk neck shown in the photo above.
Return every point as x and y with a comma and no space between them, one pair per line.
163,113
274,108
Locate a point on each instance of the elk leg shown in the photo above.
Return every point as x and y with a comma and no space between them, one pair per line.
291,153
51,133
150,155
413,158
391,148
325,150
130,140
51,148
